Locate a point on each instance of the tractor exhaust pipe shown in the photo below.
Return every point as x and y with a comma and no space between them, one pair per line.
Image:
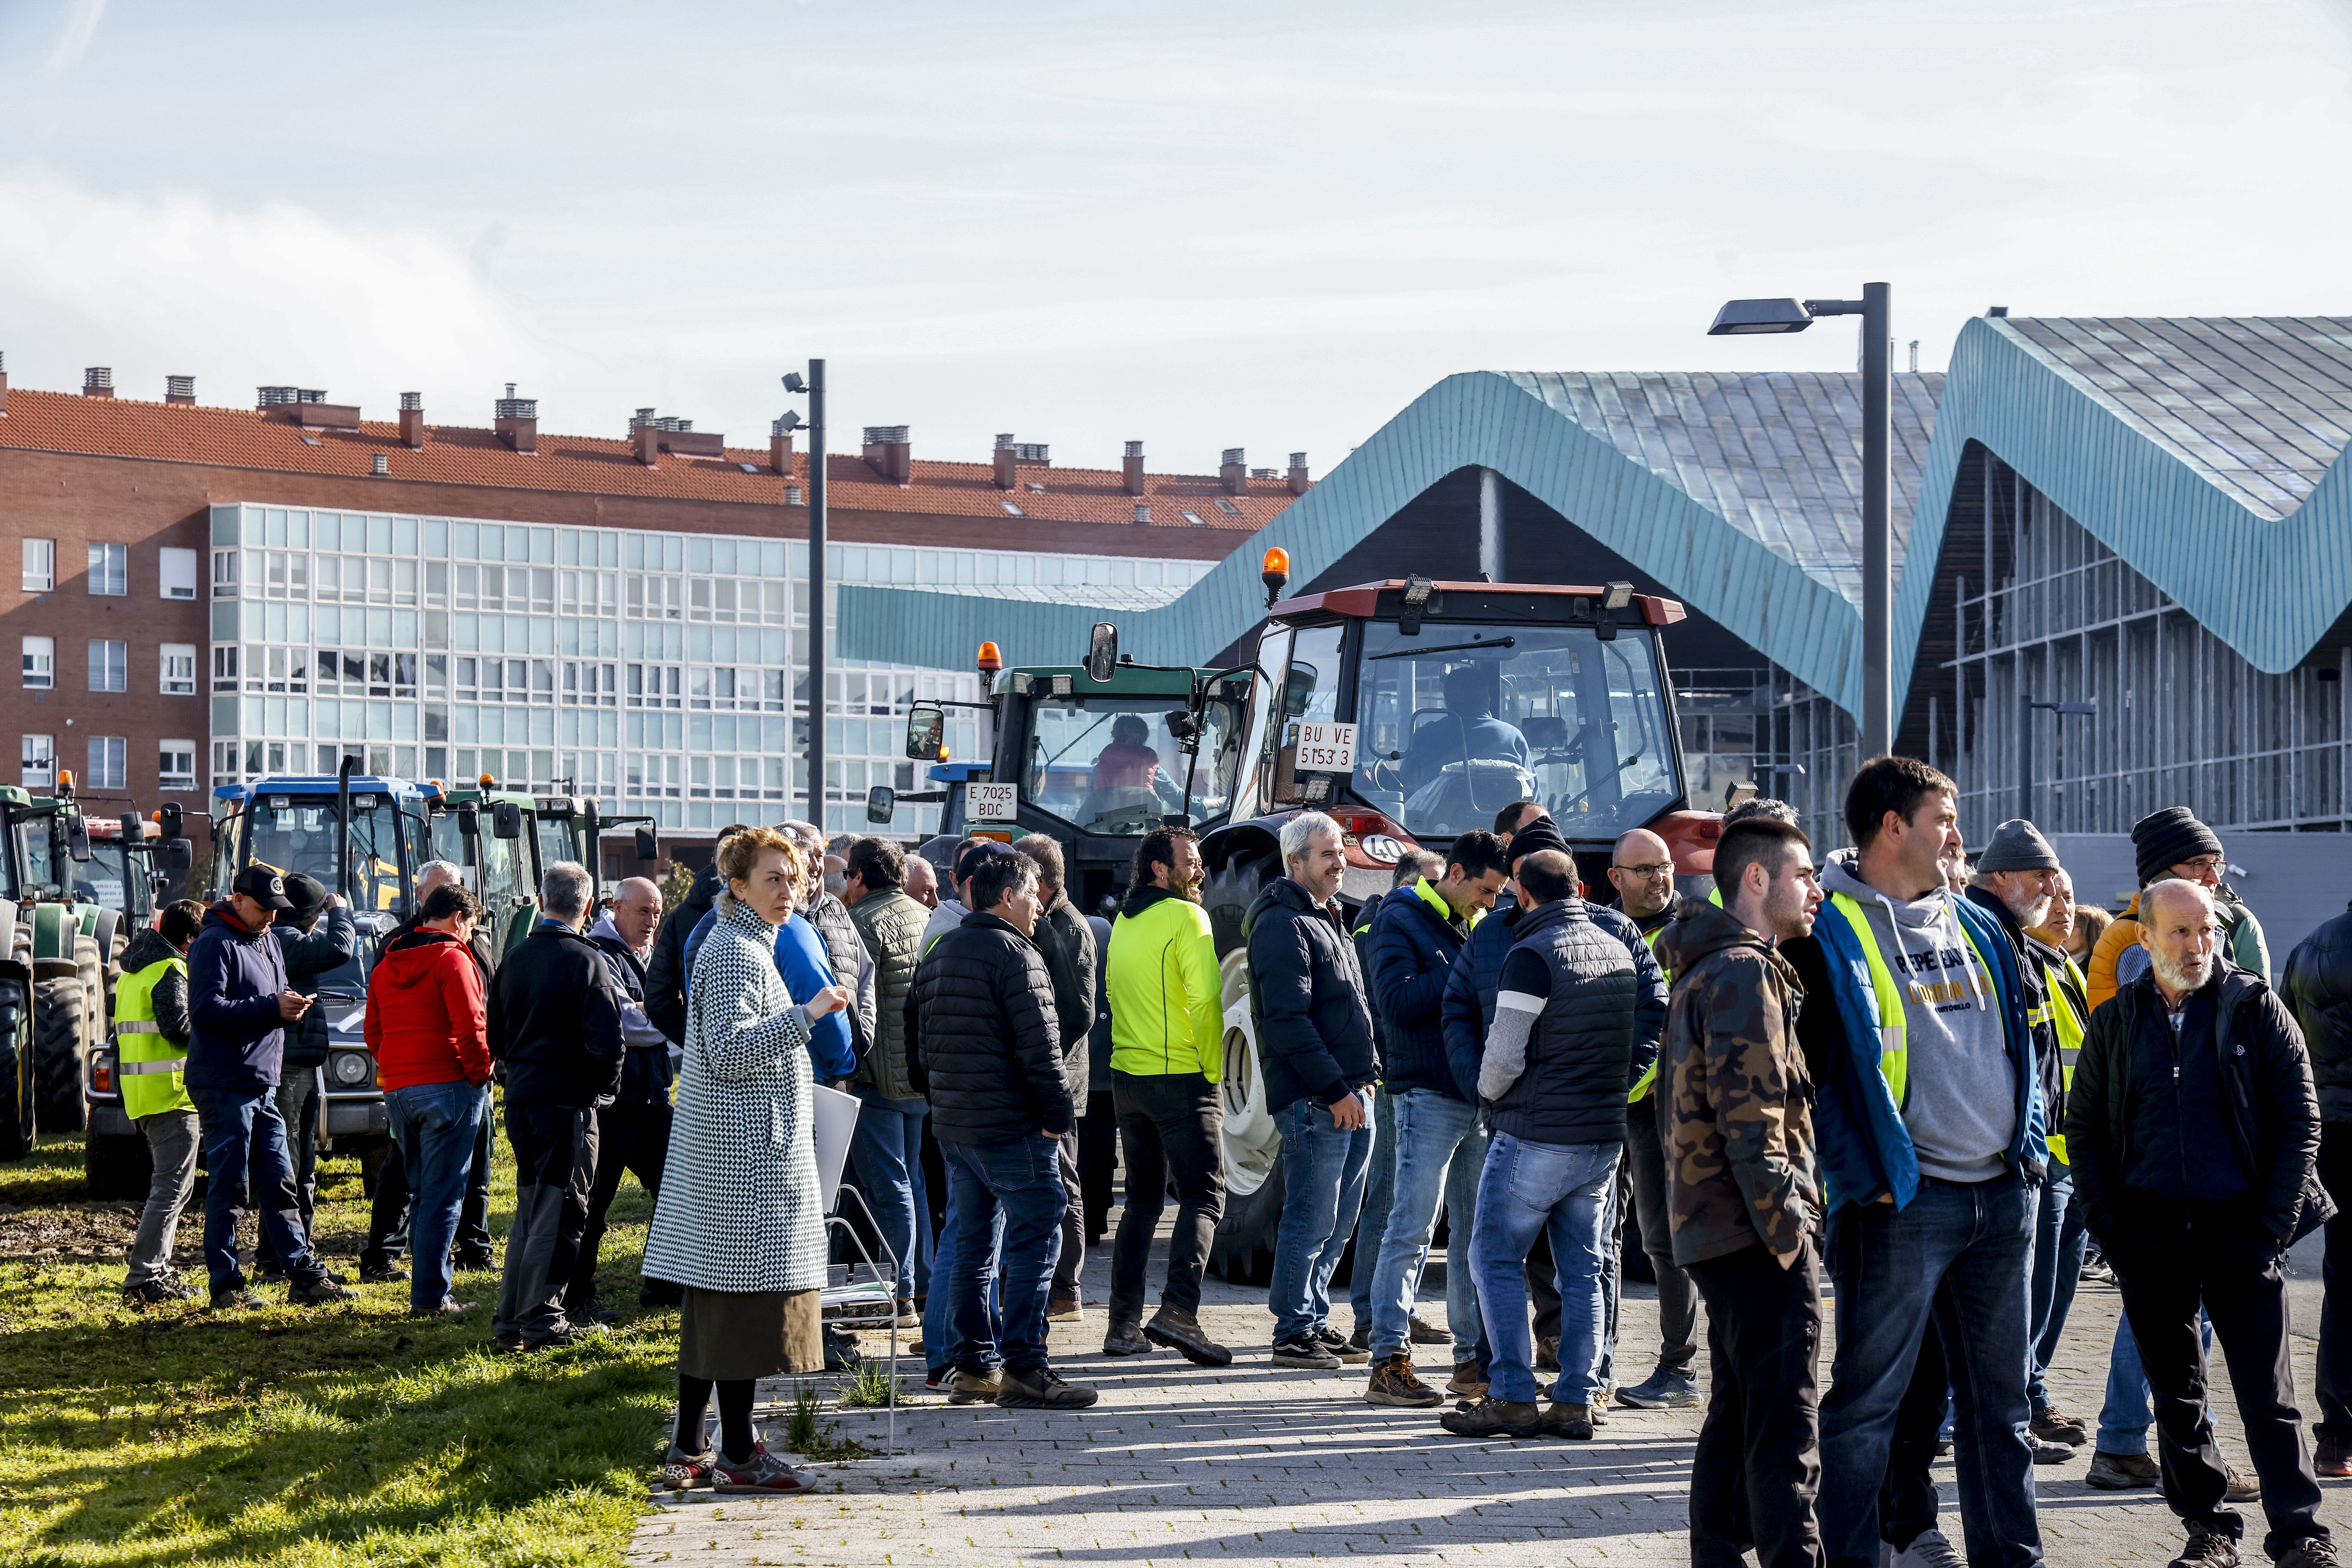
344,821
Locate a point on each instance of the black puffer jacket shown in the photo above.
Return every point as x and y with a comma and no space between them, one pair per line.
987,1051
555,1021
311,955
666,970
1595,1037
1408,958
1067,944
1307,994
2317,986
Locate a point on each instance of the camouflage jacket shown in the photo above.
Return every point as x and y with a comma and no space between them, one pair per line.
1738,1127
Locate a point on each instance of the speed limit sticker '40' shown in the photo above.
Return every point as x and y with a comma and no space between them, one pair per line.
1326,748
991,802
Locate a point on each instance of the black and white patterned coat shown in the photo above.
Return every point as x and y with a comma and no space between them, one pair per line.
740,1209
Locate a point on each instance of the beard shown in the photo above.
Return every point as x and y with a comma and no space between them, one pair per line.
2189,974
1187,888
2030,908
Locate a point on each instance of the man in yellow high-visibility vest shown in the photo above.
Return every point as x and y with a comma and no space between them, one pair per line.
151,1036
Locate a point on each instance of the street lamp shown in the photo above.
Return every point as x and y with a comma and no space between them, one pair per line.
814,387
1743,318
2025,745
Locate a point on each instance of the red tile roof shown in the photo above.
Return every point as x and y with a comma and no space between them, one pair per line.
456,455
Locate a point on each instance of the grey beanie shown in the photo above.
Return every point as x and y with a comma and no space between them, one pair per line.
2018,845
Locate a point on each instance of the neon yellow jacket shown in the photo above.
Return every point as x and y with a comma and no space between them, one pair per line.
1167,1002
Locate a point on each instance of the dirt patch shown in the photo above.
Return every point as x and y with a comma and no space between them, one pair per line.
69,1233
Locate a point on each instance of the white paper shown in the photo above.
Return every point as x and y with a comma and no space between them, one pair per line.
834,1115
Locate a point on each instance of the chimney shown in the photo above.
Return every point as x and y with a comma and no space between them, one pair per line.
412,420
97,381
779,448
1143,511
517,423
306,407
1005,480
3,386
1131,465
178,389
892,455
648,436
380,467
1299,473
1232,474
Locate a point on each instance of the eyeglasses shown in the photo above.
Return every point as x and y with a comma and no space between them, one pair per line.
2202,862
1663,868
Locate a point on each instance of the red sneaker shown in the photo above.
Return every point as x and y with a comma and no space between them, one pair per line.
762,1472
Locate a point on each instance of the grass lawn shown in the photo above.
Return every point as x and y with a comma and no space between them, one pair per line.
305,1436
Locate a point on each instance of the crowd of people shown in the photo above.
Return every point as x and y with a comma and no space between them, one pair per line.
1941,1084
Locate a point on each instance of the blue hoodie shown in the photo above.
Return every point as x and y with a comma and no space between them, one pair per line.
237,1038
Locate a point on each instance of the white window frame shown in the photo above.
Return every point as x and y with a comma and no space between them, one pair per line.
171,777
109,570
109,763
40,664
37,757
41,566
175,574
109,660
176,666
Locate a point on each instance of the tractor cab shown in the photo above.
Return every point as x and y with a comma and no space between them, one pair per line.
571,826
493,836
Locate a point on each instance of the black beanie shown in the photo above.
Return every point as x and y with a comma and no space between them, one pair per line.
1541,834
2163,839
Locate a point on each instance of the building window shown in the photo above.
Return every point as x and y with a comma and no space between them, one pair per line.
40,757
40,663
109,569
225,670
224,768
41,566
176,575
179,670
106,756
109,665
225,577
175,765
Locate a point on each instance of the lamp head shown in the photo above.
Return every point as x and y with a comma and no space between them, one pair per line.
1742,318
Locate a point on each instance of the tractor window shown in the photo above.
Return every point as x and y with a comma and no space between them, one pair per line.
33,855
103,879
555,842
1256,753
1112,766
1461,721
292,833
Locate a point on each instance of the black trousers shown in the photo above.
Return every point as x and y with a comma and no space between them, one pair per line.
1098,1159
1908,1502
1168,1126
2169,1263
2335,1379
388,1214
630,1136
301,1104
555,1167
1758,1461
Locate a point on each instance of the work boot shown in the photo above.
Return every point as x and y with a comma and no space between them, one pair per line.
975,1385
592,1314
840,1351
2053,1424
1574,1422
155,1292
2121,1472
1303,1351
1420,1333
381,1271
1063,1309
1040,1388
450,1307
1392,1382
1181,1332
2239,1488
2207,1549
1469,1380
2311,1551
1126,1339
1548,1354
235,1297
1663,1390
1493,1418
475,1259
1344,1346
317,1292
1600,1405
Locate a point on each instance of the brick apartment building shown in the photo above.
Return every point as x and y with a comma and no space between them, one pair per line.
214,594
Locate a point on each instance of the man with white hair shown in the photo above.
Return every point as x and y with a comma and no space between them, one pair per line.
1314,1047
2193,1129
633,1132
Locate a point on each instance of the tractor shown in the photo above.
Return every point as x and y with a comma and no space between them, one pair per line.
46,956
526,834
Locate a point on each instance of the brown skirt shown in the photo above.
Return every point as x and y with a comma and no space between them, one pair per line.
728,1336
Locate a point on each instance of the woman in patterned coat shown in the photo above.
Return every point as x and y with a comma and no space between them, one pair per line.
740,1223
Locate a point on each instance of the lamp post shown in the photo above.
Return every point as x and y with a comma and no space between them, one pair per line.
814,387
1742,318
2026,705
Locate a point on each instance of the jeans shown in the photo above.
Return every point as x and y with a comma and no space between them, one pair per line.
1908,1502
631,1135
1528,1189
388,1213
1645,1159
1380,1201
1168,1125
1012,1190
940,1307
434,1125
2335,1377
2058,1239
301,1102
1605,1359
1441,1151
1324,1168
1071,1256
2125,1418
245,1141
555,1168
1957,1253
171,1151
1759,1460
887,1151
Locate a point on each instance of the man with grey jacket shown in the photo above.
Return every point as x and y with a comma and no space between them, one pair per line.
886,1147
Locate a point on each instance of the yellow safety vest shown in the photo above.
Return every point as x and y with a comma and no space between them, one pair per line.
1649,1079
147,1066
1886,997
2071,1027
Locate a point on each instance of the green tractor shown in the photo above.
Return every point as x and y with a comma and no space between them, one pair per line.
45,956
526,834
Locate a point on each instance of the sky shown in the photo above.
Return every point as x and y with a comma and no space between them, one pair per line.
1202,226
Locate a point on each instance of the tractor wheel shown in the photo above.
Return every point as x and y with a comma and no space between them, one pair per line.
116,1165
59,1018
18,1073
88,959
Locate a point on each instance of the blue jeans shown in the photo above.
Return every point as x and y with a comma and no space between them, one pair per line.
1323,1173
887,1148
434,1125
1441,1151
2125,1418
1961,1252
243,1140
2058,1238
938,1307
1380,1198
1527,1189
1013,1191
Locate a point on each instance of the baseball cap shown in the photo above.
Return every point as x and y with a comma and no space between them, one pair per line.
264,887
975,855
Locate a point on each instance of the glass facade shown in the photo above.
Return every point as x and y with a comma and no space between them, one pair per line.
665,673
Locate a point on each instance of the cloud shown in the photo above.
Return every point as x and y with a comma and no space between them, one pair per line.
73,40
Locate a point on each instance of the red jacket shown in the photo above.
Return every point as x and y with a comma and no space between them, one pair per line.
426,1019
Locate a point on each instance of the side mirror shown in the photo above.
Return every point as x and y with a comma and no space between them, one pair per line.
176,855
594,819
1298,691
927,731
881,804
76,836
133,828
648,847
170,819
469,819
1102,654
505,819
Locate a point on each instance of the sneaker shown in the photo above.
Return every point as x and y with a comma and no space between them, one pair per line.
506,1344
1181,1332
2048,1453
234,1299
2333,1460
473,1261
382,1273
840,1351
1040,1388
1574,1422
762,1472
1662,1390
1600,1406
907,1317
1392,1382
1305,1351
2096,1272
2207,1549
1362,1337
1469,1380
1493,1418
2053,1424
269,1271
2311,1551
1929,1549
592,1315
1548,1354
562,1334
155,1292
317,1292
938,1382
449,1307
2239,1488
1345,1346
1065,1309
681,1470
2121,1472
1126,1339
1420,1333
980,1387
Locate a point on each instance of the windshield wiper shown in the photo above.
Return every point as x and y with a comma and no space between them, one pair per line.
1444,648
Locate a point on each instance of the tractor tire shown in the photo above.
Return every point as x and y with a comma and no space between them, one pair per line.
59,1016
92,967
116,1166
18,1118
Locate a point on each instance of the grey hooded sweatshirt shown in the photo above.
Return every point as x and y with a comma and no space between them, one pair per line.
1959,1103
